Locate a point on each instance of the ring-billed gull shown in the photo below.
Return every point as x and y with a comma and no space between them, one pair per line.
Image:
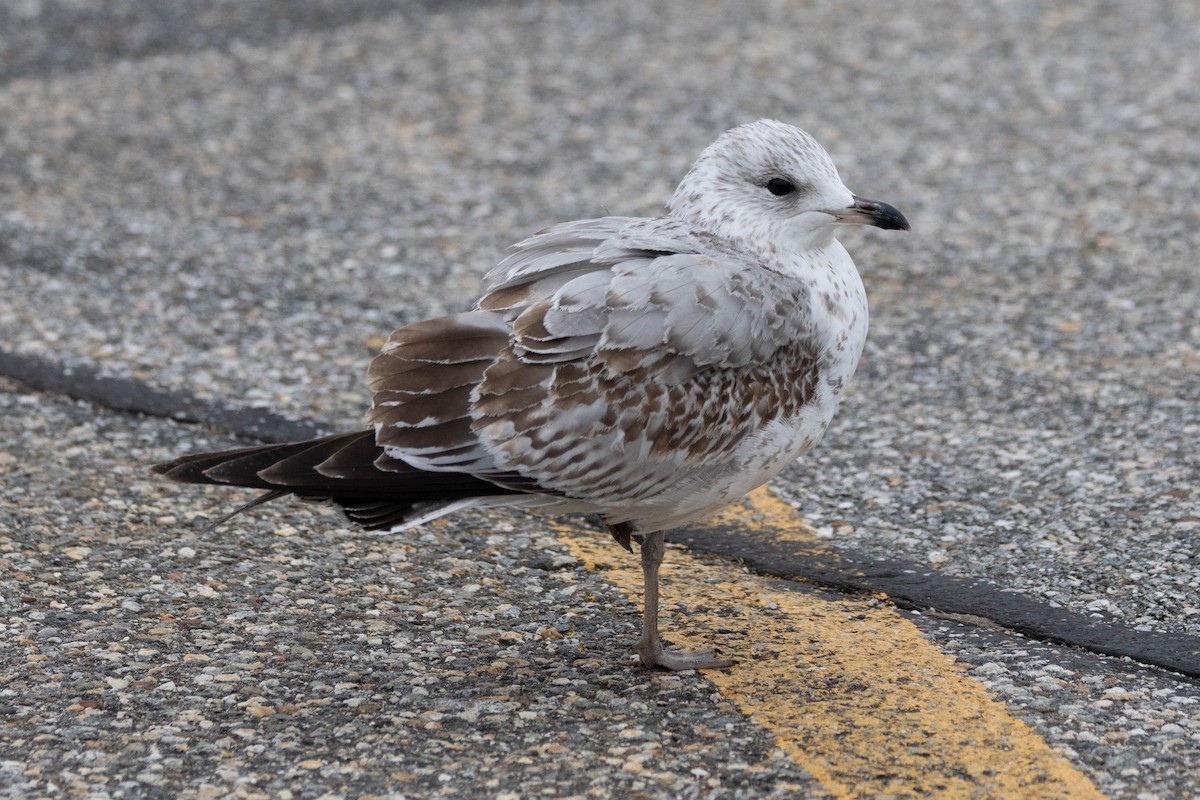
648,370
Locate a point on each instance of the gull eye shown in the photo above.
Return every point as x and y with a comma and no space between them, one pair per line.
780,187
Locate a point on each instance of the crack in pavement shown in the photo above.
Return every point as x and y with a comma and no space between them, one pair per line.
134,396
907,585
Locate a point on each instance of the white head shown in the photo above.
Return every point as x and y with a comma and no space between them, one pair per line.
770,182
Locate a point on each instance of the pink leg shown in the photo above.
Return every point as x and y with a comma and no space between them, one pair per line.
650,648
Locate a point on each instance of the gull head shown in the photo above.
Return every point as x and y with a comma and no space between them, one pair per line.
772,183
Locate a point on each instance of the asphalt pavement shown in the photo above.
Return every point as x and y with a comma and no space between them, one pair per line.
211,214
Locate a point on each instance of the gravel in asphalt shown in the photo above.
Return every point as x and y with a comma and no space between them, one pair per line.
240,203
289,653
247,220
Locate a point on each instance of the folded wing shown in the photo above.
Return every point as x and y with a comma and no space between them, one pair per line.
611,361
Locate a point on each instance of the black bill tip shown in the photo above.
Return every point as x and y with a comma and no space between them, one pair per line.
873,212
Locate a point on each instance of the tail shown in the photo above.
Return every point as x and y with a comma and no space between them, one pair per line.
351,471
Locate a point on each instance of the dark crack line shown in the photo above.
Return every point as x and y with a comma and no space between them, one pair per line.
909,586
134,396
919,588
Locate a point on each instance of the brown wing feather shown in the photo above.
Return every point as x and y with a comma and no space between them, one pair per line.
423,383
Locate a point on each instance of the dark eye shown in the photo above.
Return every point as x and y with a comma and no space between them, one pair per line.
780,186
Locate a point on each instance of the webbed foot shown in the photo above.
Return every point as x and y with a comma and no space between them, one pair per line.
655,655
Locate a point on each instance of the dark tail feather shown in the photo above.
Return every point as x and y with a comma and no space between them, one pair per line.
194,468
353,472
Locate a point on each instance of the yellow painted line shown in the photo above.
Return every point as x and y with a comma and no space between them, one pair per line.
850,689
